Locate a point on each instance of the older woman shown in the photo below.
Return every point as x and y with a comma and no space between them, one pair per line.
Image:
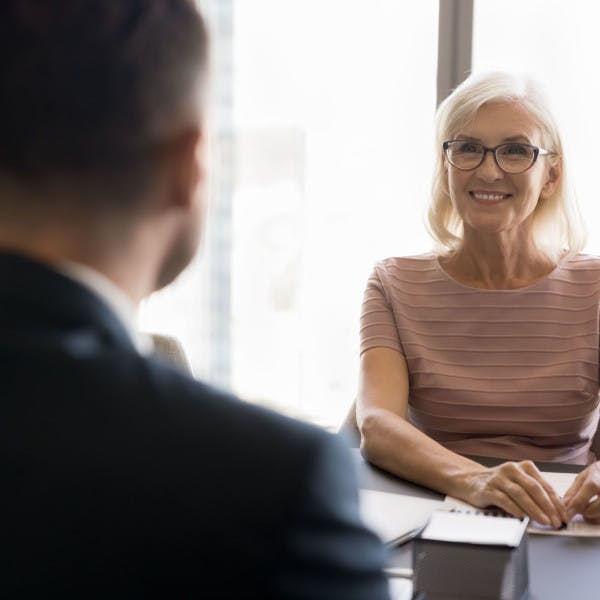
491,346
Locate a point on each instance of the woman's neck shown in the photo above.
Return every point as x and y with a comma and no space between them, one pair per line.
497,267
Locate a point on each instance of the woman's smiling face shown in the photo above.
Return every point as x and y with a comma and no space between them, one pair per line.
487,199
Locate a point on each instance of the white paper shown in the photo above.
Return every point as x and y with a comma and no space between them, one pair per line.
474,527
393,515
400,589
561,482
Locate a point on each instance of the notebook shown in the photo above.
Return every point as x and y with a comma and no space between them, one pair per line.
561,483
395,518
475,527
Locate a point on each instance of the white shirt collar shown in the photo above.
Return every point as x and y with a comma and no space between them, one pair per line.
120,303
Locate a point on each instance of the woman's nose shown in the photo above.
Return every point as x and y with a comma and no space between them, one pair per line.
489,169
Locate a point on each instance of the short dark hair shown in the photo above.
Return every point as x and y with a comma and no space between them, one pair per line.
87,87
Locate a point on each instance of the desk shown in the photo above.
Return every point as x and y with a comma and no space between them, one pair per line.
560,567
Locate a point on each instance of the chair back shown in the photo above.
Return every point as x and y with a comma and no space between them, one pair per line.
349,428
169,348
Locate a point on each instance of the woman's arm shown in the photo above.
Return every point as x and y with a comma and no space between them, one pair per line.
389,441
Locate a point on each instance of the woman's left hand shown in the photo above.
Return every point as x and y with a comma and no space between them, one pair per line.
583,495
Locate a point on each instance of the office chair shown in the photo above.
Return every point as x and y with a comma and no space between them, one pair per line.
595,447
349,428
169,348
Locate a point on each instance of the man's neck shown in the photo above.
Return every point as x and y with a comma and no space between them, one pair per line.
112,295
116,261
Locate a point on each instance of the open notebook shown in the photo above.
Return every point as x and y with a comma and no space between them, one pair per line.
561,483
393,517
474,527
396,518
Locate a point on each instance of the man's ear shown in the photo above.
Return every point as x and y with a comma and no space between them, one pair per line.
552,179
186,167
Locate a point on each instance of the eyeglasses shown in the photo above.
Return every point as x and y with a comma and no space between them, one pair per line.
511,157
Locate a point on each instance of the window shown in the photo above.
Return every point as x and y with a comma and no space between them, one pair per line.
324,145
553,41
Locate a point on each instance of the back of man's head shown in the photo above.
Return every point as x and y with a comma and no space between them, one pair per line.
89,89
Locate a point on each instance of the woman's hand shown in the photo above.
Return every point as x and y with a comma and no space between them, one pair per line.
519,489
582,497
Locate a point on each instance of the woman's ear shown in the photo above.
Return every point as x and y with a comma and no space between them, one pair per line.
553,178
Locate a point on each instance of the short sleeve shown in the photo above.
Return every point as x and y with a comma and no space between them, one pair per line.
377,322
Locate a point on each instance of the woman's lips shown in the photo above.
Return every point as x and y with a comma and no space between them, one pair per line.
489,197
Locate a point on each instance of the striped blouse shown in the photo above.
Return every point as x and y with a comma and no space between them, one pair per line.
505,373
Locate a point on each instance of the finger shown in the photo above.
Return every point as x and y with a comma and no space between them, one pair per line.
526,503
503,489
520,496
575,487
559,514
534,495
591,513
579,502
501,500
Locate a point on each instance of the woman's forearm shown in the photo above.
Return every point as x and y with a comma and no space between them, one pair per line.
393,444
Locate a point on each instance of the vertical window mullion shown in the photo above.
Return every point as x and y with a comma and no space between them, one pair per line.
455,40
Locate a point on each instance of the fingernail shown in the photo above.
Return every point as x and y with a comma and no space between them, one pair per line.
556,523
545,520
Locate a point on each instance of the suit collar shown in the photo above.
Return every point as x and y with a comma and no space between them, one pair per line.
33,292
116,299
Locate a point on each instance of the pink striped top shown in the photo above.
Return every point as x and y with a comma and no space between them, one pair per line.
504,373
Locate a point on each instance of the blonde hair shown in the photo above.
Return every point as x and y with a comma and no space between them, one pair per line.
557,225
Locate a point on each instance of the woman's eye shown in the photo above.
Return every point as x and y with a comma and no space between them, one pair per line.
516,150
469,147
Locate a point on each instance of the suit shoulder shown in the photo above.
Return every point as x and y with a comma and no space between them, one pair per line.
216,411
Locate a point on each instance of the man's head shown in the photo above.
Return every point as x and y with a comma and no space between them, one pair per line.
96,97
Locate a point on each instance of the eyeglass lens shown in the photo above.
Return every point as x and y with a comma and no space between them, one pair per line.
511,157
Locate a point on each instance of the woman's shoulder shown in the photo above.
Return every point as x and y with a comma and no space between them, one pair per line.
415,263
414,272
582,260
581,264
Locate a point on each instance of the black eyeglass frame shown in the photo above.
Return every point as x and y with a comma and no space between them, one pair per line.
537,151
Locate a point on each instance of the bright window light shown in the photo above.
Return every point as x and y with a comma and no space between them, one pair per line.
332,115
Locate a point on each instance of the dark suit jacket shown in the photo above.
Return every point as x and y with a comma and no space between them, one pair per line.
121,477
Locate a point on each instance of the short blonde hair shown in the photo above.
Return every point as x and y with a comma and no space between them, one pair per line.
557,225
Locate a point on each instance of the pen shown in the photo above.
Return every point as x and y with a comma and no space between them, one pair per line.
407,537
404,572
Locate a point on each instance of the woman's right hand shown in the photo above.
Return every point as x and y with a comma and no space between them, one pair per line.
519,489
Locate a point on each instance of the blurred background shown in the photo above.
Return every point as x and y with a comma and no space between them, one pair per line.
322,127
